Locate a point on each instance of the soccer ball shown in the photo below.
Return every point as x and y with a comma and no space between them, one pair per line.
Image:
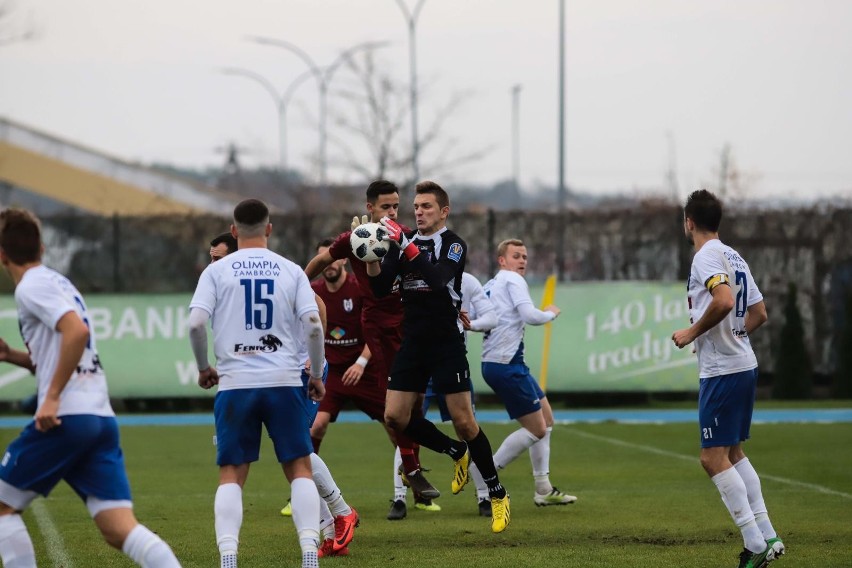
369,242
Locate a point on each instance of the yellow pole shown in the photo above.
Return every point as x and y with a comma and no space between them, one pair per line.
546,300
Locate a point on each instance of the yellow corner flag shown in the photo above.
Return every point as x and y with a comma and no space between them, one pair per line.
546,300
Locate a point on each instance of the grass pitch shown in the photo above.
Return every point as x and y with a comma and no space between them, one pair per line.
644,501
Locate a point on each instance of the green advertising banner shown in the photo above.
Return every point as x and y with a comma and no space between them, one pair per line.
611,336
142,341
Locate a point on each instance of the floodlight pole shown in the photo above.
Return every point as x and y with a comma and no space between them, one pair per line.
323,77
281,103
411,19
560,196
516,129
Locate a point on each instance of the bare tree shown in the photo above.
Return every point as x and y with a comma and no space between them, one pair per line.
374,122
11,30
733,183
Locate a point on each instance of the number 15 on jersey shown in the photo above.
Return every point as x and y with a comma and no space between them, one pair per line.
258,302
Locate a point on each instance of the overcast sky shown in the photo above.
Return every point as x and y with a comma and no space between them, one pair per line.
645,82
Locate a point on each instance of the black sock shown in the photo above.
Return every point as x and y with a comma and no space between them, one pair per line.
480,453
427,434
495,488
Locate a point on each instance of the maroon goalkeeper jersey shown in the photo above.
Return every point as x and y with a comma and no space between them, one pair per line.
385,311
344,340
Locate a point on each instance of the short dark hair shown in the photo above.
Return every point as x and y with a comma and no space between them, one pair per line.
326,242
251,212
226,238
704,209
380,187
20,236
431,187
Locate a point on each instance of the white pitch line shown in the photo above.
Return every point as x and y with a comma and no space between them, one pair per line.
693,459
52,539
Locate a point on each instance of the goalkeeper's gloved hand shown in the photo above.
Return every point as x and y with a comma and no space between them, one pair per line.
358,222
398,238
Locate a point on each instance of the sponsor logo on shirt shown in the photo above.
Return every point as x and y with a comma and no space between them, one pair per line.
417,285
268,344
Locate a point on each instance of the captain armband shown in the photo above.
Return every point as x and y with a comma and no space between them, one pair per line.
716,280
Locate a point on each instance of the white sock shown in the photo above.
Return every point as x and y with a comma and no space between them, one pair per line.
16,548
734,496
305,501
540,459
514,445
148,550
228,512
327,488
399,488
310,560
326,523
481,487
755,497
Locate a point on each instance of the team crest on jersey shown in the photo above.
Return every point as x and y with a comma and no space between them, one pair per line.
348,304
455,252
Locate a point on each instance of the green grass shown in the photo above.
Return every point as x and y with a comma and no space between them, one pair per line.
644,501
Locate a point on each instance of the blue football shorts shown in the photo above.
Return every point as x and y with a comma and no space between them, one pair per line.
240,415
725,406
84,451
515,386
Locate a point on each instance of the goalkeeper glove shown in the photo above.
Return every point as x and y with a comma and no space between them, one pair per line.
398,238
358,222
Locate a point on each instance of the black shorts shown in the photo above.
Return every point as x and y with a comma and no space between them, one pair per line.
444,362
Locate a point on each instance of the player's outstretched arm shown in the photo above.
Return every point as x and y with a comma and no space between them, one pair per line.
533,316
317,264
16,357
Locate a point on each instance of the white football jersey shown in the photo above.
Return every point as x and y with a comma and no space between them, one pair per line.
724,349
474,300
507,290
256,299
43,296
